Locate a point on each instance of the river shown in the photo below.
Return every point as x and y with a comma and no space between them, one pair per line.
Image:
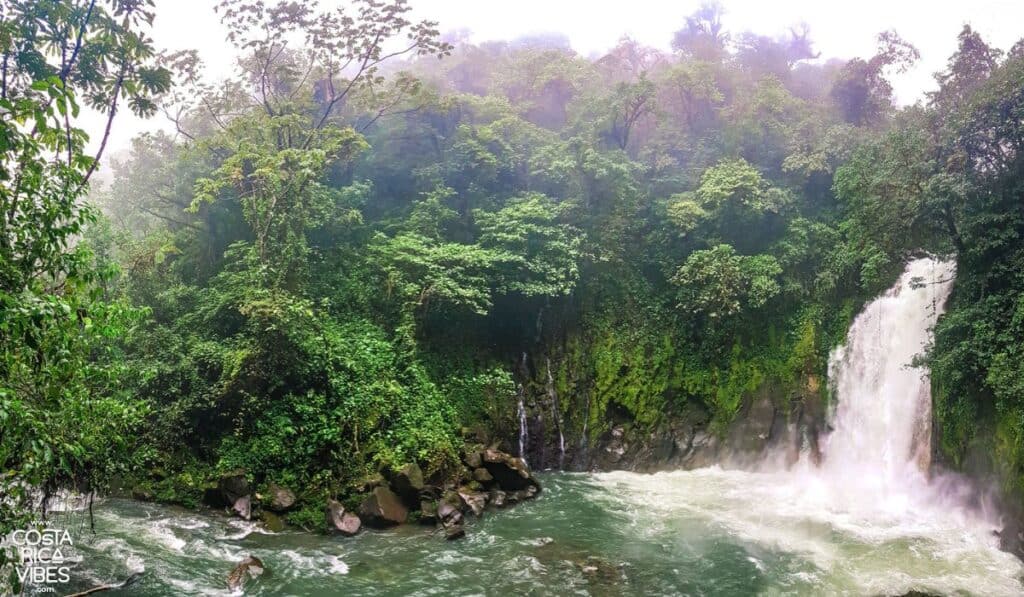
705,532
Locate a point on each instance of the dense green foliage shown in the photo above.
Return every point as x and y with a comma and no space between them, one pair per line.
351,252
346,267
66,420
64,415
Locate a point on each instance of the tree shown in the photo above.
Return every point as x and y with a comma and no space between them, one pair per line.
741,205
631,103
544,252
65,420
703,36
279,150
763,55
969,67
861,91
717,283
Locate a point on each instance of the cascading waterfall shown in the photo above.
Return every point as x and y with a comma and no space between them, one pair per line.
522,424
882,420
523,427
553,396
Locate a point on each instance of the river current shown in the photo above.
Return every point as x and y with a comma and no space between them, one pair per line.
705,532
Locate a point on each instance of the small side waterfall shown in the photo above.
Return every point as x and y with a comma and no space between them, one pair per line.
524,427
523,437
556,415
882,420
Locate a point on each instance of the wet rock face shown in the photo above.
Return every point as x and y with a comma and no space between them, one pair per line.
509,472
449,512
341,521
497,498
766,426
246,570
279,499
407,483
383,508
229,489
243,507
476,501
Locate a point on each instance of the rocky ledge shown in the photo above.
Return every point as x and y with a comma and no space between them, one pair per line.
487,478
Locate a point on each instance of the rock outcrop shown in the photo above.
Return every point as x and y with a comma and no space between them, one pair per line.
407,483
243,507
229,489
509,472
449,513
341,521
279,499
246,570
383,508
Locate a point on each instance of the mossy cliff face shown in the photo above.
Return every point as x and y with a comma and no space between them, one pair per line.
621,394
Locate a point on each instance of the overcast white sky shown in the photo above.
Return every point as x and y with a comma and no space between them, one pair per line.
842,29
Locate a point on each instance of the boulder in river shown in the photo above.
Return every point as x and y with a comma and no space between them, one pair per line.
230,487
234,485
476,501
510,473
341,521
407,482
521,495
449,512
383,508
272,522
243,507
143,494
454,531
248,569
428,511
279,499
497,498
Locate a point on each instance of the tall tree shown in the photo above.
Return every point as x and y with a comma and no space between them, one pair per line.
65,420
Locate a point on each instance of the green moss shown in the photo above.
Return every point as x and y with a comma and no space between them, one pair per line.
309,516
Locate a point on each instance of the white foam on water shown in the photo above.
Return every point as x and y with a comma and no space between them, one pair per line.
315,561
186,587
244,529
163,534
135,563
191,523
336,565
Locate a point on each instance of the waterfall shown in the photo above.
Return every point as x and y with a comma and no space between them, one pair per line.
557,417
882,419
522,424
523,428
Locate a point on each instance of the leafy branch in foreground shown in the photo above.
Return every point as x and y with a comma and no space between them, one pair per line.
65,421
